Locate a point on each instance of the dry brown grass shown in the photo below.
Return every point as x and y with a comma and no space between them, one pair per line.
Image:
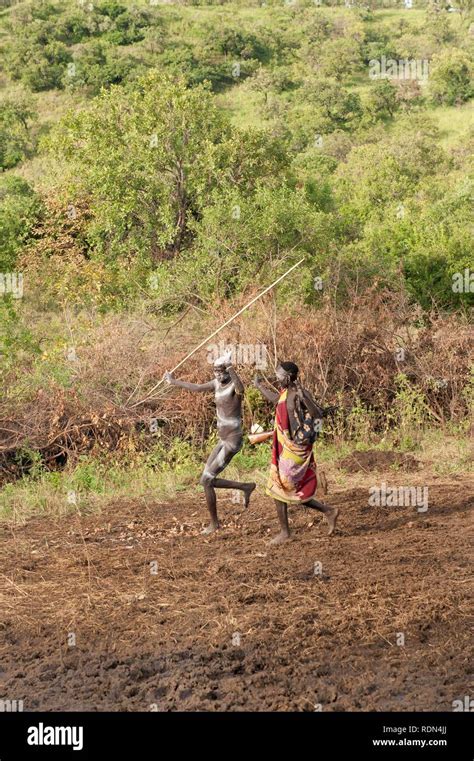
349,355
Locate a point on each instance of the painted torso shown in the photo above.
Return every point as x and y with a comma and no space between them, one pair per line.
229,409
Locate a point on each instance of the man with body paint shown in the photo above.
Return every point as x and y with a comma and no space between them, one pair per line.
228,393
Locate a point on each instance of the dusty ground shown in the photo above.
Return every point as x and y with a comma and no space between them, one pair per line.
227,623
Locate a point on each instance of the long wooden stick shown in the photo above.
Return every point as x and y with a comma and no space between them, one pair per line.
219,329
257,438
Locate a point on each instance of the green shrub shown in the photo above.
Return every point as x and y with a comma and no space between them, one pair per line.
15,139
451,77
20,208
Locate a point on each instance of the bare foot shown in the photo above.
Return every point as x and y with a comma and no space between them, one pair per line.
210,529
248,491
280,538
331,518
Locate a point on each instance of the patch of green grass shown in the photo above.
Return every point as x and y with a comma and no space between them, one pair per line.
161,472
164,473
449,450
454,122
243,106
387,16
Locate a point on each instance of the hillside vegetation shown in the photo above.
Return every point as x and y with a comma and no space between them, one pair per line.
162,162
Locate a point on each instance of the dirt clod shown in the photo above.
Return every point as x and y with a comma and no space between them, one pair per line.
377,460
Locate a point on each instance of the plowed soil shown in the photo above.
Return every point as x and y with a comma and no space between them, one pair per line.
132,609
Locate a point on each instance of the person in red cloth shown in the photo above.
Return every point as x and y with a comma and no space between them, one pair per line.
293,477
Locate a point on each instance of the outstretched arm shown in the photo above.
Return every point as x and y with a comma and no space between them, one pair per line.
169,378
270,396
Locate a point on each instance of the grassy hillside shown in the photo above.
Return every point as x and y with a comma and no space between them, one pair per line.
162,161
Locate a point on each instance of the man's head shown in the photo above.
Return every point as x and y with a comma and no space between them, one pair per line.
221,373
221,364
287,372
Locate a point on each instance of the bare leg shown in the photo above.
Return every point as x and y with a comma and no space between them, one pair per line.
282,512
214,461
212,507
330,513
224,483
219,458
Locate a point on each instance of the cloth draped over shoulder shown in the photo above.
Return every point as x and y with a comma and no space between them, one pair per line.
292,476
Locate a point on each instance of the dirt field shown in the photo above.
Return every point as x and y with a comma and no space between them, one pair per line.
227,623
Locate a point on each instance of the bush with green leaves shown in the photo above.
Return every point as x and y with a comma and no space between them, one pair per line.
239,45
129,26
110,8
268,81
451,77
40,66
333,105
73,27
99,65
387,172
16,142
415,229
242,239
339,58
382,102
149,158
243,236
17,342
321,106
20,208
376,45
441,243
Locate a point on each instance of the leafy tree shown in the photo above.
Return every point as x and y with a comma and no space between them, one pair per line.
73,27
387,172
149,157
441,245
19,209
240,45
415,46
266,81
241,238
15,139
337,106
40,67
409,94
129,27
322,107
438,26
99,66
382,101
318,29
313,169
110,8
451,77
339,58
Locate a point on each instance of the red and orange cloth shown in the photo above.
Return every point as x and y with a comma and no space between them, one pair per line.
292,476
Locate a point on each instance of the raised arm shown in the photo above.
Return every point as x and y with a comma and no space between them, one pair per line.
270,396
238,385
169,378
314,409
